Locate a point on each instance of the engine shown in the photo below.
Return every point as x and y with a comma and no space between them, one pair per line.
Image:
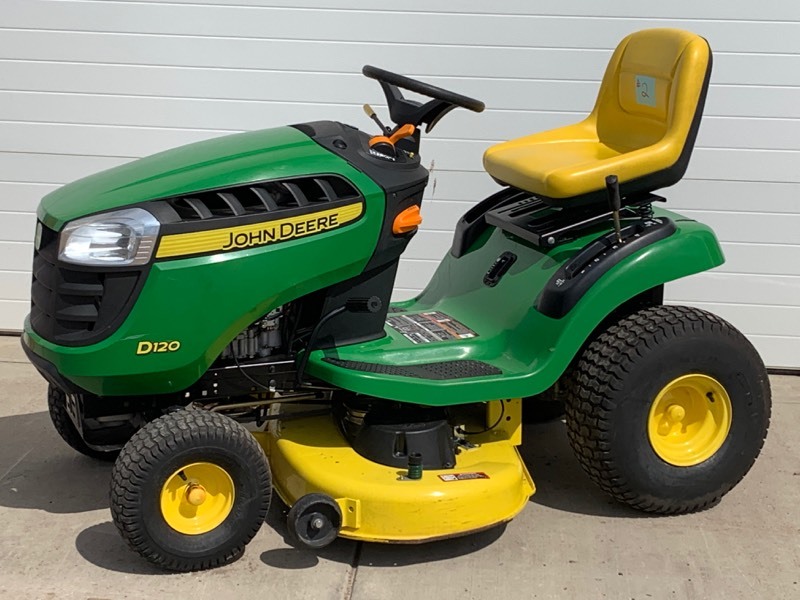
259,340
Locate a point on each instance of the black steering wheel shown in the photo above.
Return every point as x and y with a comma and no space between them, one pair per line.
403,111
420,87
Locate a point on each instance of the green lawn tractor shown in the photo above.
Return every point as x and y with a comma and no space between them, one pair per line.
217,318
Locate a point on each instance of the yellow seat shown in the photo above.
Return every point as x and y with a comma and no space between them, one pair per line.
642,128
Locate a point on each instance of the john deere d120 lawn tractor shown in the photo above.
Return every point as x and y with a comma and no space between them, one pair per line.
218,319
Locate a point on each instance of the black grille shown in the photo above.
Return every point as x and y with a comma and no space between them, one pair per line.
263,198
73,306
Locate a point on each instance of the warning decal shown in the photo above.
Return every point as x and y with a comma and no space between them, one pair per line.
427,327
463,476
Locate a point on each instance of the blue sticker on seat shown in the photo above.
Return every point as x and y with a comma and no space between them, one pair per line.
645,90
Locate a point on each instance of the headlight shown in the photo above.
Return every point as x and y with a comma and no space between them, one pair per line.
119,238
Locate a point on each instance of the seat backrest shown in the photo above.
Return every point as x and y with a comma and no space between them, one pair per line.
653,91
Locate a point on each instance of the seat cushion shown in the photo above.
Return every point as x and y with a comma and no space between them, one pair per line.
554,166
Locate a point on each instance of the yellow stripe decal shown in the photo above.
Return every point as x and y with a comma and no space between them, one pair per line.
257,234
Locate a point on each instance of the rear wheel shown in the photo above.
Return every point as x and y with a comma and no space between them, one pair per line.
57,407
190,490
668,409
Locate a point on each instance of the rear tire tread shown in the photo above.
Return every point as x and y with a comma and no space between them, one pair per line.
592,380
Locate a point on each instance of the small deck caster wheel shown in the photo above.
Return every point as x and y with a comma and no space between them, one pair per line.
314,521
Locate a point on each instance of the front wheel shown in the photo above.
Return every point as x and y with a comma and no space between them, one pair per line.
668,409
190,490
57,407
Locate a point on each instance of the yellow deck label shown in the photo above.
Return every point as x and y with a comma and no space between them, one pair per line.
257,234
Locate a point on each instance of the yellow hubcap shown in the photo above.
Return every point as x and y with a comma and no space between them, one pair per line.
689,420
197,498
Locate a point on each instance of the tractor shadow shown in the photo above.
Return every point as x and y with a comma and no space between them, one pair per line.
352,553
102,546
39,471
560,481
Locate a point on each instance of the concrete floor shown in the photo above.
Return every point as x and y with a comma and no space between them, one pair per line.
57,540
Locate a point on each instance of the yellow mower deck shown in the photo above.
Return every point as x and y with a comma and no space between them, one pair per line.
489,485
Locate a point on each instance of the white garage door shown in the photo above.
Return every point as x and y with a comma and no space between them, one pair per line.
86,85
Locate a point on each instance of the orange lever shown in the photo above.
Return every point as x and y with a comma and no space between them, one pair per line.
408,220
402,132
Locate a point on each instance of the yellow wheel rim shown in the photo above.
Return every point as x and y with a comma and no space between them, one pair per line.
689,420
197,498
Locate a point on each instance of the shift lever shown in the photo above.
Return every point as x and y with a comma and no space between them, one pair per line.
615,203
371,114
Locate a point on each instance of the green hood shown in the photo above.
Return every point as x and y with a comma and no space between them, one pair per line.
221,162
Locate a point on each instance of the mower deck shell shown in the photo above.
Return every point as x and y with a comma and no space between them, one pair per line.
488,486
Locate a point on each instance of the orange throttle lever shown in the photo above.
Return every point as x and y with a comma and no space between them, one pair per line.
385,145
402,132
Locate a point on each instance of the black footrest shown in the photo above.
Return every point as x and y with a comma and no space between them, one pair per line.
451,369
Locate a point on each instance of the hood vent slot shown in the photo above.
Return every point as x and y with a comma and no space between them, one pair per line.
268,197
